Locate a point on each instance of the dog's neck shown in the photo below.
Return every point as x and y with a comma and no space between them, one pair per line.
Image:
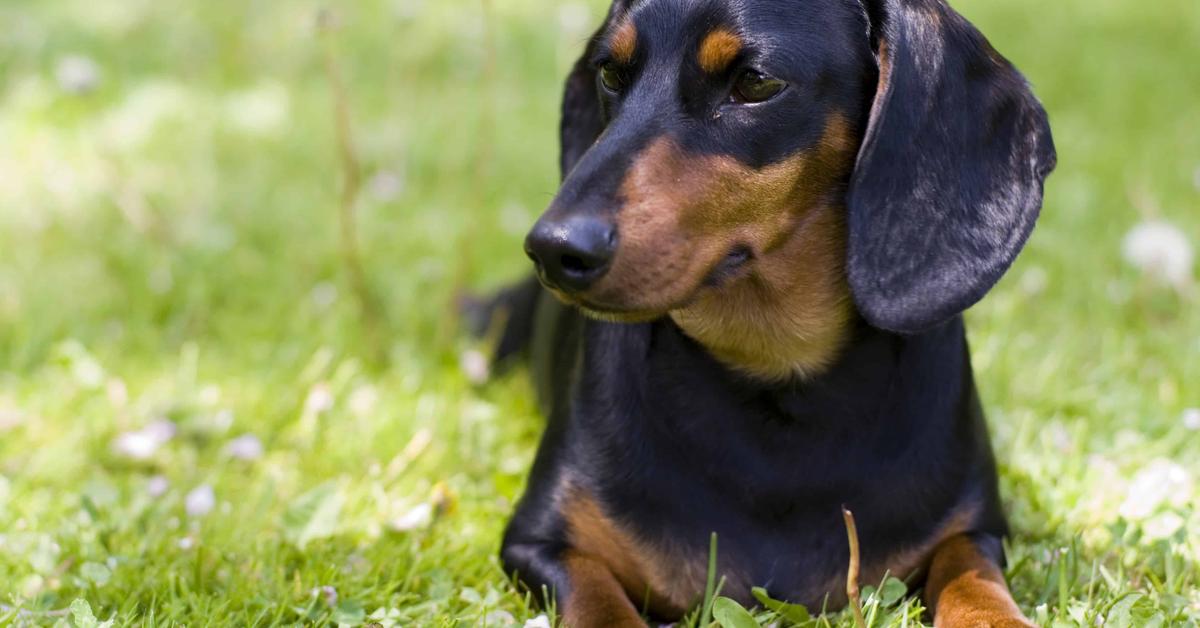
791,315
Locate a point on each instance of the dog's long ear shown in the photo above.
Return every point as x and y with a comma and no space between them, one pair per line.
949,178
582,120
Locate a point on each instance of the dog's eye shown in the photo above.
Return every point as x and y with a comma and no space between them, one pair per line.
612,77
754,87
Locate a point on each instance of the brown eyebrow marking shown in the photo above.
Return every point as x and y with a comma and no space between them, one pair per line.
718,50
623,42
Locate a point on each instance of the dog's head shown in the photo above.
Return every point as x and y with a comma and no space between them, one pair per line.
699,136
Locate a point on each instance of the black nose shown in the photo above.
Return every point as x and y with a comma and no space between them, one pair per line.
572,253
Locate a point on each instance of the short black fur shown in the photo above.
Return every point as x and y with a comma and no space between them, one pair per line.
675,445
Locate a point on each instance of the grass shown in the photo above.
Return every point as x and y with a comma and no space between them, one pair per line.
169,251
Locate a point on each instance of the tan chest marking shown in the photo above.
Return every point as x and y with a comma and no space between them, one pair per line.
664,582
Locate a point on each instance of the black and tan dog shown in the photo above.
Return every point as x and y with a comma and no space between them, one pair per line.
773,215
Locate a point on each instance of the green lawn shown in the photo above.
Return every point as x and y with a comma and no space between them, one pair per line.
170,281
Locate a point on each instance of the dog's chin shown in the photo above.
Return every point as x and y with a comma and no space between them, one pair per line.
635,309
620,316
613,313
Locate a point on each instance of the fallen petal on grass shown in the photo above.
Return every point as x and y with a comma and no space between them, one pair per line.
417,517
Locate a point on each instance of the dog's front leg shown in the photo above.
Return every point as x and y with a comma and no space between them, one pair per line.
596,597
966,588
585,592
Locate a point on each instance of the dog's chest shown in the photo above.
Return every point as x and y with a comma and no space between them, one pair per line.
675,452
660,552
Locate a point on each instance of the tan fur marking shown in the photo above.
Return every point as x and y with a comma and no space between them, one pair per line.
596,598
790,316
623,42
718,50
665,583
967,590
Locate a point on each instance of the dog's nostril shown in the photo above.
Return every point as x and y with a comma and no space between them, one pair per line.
575,265
573,253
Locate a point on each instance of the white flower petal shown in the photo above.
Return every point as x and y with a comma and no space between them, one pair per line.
210,395
160,430
246,447
323,295
157,486
319,400
541,621
385,186
1191,419
363,400
1034,281
1161,251
200,501
1162,482
1162,526
475,367
77,74
327,593
420,516
139,445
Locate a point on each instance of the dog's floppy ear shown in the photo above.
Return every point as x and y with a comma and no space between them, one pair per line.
582,119
948,182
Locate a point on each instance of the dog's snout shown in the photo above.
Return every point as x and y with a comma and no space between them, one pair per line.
573,253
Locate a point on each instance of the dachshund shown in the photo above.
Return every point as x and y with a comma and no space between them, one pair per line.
747,310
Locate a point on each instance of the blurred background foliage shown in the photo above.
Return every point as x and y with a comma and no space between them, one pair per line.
172,294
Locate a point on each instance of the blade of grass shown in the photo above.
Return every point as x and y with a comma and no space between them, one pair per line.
710,585
852,591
